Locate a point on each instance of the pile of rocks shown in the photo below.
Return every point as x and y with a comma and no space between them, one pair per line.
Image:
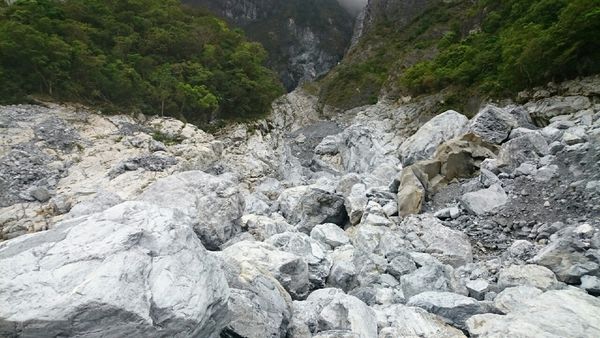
297,227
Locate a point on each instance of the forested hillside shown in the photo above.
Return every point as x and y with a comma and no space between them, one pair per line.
485,47
150,56
304,38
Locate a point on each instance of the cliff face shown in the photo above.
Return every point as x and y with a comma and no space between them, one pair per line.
305,39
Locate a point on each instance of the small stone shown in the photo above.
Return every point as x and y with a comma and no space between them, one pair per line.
478,288
591,284
584,229
40,194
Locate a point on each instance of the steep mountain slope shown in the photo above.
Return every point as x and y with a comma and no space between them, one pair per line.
304,38
146,56
483,48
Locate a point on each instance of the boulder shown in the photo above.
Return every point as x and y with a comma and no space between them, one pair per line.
214,202
263,227
529,147
493,124
565,257
101,201
331,309
454,308
591,284
329,234
575,135
431,278
411,193
343,273
289,269
398,320
484,201
424,142
528,275
356,202
310,250
259,305
558,313
512,298
478,288
542,111
306,207
133,270
449,246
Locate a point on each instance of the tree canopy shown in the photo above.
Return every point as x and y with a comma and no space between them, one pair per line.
521,43
152,56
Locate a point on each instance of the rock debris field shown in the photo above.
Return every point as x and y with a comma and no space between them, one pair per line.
375,222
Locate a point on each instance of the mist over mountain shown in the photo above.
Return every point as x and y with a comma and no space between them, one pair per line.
353,6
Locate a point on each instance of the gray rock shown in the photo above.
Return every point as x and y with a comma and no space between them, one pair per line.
484,201
424,142
343,273
447,245
103,200
448,213
454,308
306,207
40,194
528,147
356,202
330,235
398,320
488,178
543,110
492,124
591,284
546,173
214,202
337,334
263,227
289,269
478,288
528,275
521,250
60,205
257,204
132,270
575,135
560,313
401,265
512,298
526,169
147,162
565,259
431,278
310,250
259,305
330,309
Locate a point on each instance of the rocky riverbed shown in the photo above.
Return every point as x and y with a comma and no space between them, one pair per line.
377,222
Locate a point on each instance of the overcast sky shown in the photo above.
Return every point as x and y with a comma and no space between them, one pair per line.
353,6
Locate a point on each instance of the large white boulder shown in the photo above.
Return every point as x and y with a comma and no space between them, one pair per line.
558,313
213,202
438,130
134,270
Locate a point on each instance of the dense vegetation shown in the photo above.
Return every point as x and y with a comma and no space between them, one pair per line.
132,55
483,47
271,26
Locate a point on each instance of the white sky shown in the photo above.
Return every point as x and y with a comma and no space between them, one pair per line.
353,6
